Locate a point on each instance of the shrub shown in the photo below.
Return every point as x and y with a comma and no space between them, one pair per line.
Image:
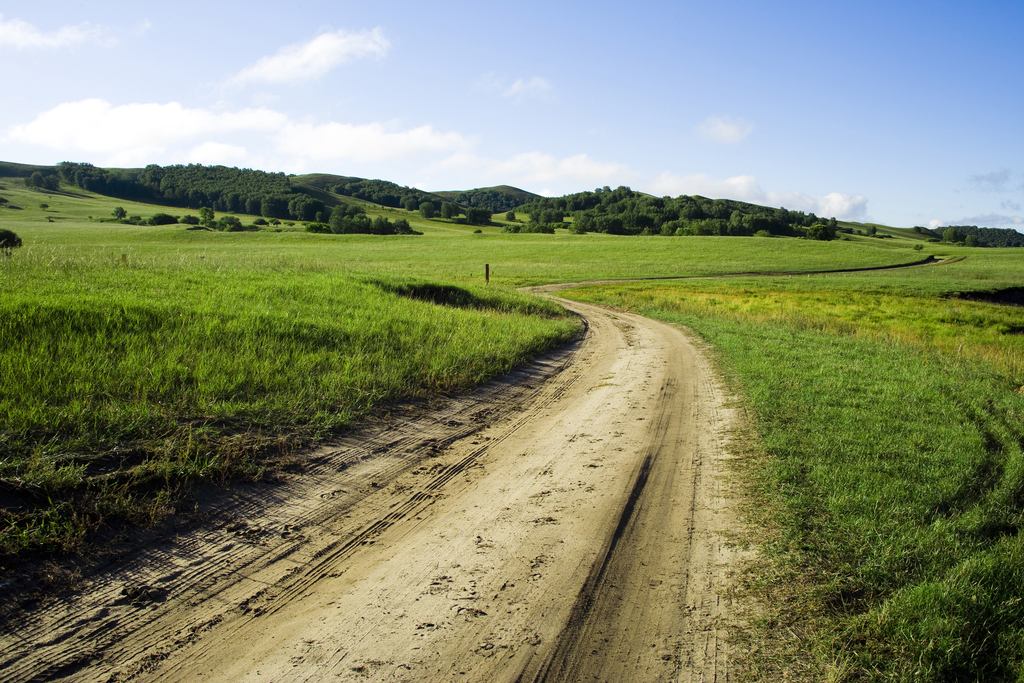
9,240
162,219
321,228
229,224
762,233
260,221
189,220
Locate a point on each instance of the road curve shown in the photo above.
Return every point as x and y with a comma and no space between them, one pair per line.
567,524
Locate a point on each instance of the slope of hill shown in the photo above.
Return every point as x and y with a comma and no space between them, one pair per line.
623,211
498,199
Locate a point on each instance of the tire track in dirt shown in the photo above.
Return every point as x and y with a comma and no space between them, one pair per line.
568,522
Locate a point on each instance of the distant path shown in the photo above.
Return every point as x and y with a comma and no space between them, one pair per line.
930,261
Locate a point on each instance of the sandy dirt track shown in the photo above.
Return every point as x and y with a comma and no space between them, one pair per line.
568,523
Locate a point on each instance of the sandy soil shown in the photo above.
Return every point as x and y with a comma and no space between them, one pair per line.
567,523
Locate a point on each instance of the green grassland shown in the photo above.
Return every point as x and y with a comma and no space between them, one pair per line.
887,474
888,468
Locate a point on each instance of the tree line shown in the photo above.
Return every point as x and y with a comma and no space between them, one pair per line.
625,212
973,236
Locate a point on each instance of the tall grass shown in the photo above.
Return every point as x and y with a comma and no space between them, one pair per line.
123,376
892,470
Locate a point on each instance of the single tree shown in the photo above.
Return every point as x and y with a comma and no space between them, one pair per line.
971,241
949,235
206,216
510,216
427,209
119,213
449,210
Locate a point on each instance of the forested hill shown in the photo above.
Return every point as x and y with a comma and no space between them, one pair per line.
381,192
236,190
625,212
497,199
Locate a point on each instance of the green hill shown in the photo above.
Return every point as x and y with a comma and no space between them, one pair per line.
498,199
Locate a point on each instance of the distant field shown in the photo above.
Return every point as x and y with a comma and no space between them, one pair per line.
515,260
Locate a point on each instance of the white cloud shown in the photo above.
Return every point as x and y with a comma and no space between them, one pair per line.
747,188
725,130
313,59
522,89
213,153
369,142
139,133
95,126
23,36
533,168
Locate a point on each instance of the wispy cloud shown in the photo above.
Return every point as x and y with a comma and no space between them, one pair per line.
989,220
526,89
996,181
747,188
726,130
21,35
518,91
367,142
313,59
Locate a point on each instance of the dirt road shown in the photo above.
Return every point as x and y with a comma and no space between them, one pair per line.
565,524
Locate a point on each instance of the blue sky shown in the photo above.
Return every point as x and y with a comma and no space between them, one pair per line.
903,113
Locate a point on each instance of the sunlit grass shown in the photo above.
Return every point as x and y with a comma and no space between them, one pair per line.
180,369
891,429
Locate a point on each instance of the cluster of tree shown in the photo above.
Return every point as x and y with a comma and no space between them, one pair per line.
386,193
973,236
494,199
625,212
453,212
193,186
352,220
39,181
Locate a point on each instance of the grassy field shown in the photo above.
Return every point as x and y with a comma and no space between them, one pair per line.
138,360
889,464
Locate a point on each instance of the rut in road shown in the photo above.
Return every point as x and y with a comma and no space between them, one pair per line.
567,529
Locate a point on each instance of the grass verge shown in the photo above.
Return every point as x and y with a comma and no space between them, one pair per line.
123,381
892,473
